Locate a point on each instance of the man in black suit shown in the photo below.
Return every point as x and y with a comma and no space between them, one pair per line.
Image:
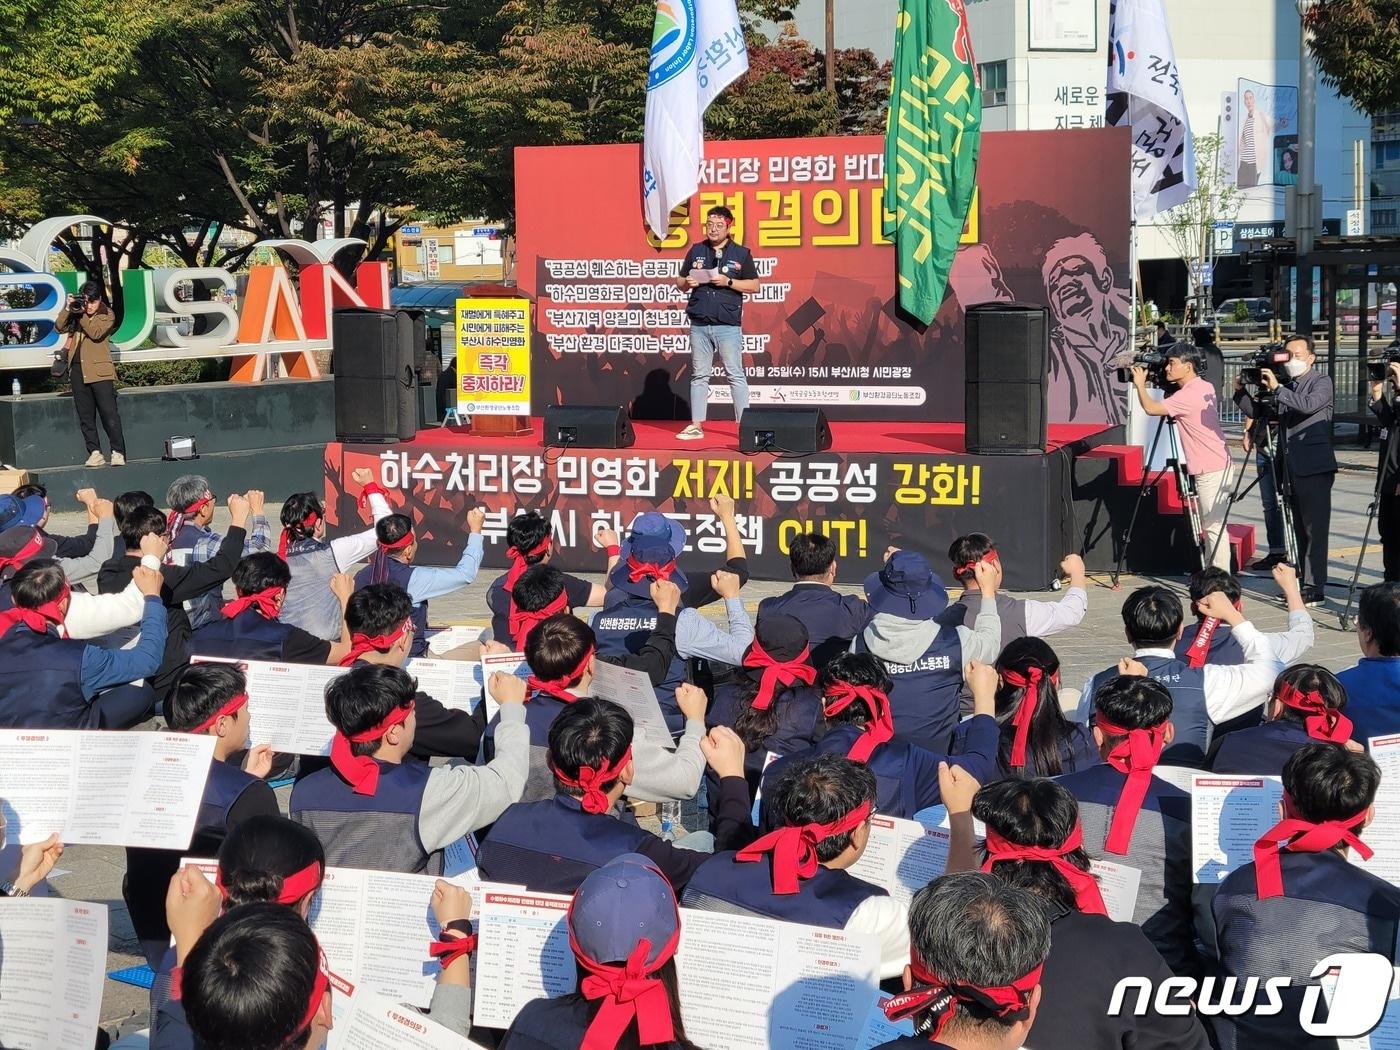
1387,411
1305,400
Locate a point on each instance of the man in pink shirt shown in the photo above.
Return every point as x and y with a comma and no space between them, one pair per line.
1193,406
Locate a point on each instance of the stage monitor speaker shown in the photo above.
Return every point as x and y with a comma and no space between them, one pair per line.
375,385
788,431
1008,359
587,426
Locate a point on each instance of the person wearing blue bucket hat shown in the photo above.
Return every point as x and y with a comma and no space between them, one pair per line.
923,655
36,509
655,524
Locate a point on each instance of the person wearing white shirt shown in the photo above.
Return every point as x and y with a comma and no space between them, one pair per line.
1208,641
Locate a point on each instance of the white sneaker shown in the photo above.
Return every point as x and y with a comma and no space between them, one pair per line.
691,433
96,459
118,459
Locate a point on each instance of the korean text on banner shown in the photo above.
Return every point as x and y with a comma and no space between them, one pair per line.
493,357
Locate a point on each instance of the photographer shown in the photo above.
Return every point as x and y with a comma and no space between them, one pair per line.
1388,486
86,354
1305,402
1193,406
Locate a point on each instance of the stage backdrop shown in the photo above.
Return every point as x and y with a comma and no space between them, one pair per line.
1049,225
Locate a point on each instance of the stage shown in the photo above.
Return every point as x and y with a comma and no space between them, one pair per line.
881,483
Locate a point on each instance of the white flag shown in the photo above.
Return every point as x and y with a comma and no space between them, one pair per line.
697,50
1145,93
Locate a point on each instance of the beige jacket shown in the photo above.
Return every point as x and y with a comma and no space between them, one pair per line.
92,342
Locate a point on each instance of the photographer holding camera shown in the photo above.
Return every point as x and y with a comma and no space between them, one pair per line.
1193,405
1304,403
1388,483
86,353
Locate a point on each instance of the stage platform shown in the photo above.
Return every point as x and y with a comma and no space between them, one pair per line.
881,484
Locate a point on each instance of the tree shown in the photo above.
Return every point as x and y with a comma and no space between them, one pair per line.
1190,225
1357,47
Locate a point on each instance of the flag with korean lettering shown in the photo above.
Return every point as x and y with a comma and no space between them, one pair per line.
697,50
931,145
1144,93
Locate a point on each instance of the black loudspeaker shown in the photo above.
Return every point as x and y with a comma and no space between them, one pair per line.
1008,359
791,431
587,426
375,384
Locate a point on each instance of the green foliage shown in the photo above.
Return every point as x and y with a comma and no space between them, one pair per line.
1357,47
167,373
1189,225
1241,312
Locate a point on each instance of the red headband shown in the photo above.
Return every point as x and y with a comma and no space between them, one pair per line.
379,643
879,728
1025,710
777,672
361,772
294,886
177,518
265,601
1323,722
637,571
318,990
591,781
518,562
1297,835
232,706
794,848
521,622
312,517
1086,888
971,566
1136,754
37,620
32,546
1200,645
559,687
1007,1002
399,544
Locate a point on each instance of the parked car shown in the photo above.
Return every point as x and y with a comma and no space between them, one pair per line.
1260,310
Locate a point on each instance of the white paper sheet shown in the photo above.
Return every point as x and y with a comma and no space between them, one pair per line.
1383,833
1118,884
902,856
374,1022
768,759
632,691
103,788
748,983
1228,815
445,639
523,952
510,663
878,1030
51,973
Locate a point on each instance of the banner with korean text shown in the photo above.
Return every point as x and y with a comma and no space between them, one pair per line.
493,357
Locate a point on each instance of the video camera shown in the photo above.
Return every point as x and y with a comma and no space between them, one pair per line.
1376,366
1272,356
1152,358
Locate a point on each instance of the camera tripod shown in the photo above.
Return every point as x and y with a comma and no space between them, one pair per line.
1345,620
1185,485
1274,453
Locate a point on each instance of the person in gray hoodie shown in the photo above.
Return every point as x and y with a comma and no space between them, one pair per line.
922,655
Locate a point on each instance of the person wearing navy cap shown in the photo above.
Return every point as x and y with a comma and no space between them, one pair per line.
654,523
34,501
924,656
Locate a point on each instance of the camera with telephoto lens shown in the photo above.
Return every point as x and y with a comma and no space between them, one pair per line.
1151,358
77,303
1376,366
1273,356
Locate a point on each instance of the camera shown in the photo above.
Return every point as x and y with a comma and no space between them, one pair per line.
77,303
1376,366
1272,356
1151,358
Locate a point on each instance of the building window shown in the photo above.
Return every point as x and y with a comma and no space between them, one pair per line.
993,76
1383,217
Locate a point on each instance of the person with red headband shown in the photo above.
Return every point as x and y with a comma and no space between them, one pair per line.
250,627
530,542
31,505
821,810
553,845
19,536
378,807
1036,739
541,591
50,681
1308,703
210,700
701,591
972,974
192,505
624,928
1020,617
923,651
832,619
630,616
1202,697
1131,816
314,558
392,562
1304,897
1034,842
1210,641
855,699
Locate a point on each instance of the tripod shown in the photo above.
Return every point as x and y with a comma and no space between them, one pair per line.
1185,484
1273,450
1345,619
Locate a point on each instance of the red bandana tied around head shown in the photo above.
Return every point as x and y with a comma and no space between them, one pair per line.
37,620
879,728
265,601
637,571
1200,645
1025,711
1134,755
559,687
777,672
231,706
971,566
34,545
518,562
318,990
1323,722
591,781
361,772
294,886
1086,888
312,517
175,520
521,622
399,544
1297,835
380,643
627,990
1007,1002
794,848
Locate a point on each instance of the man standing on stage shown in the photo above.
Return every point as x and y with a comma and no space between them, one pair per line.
718,272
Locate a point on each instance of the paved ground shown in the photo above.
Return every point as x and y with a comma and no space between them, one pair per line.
95,873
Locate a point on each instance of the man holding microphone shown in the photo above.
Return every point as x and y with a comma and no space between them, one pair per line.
1193,406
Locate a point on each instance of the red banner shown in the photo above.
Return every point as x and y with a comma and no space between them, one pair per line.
1049,225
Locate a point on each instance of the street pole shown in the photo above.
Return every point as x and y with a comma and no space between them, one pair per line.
1307,186
831,47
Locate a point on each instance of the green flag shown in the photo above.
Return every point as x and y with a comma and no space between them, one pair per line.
931,144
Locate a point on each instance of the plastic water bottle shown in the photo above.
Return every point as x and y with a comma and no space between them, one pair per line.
671,828
14,387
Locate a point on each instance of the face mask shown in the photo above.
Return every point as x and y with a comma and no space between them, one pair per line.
1295,368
